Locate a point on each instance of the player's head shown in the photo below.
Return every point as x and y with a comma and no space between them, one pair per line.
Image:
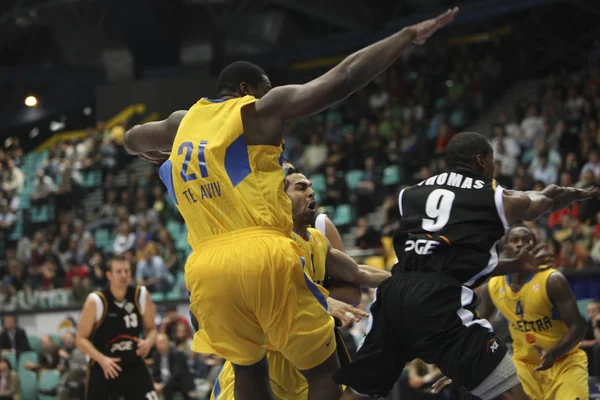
119,272
299,190
162,343
471,150
242,78
518,237
593,309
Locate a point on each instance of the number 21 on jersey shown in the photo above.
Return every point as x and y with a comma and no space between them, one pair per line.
437,208
207,190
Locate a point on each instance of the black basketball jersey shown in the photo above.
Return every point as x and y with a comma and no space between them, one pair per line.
451,224
120,326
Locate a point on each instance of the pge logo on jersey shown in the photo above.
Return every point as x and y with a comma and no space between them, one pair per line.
492,346
126,345
421,246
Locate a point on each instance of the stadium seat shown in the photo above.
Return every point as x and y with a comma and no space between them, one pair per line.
318,183
55,338
49,380
343,215
173,294
35,343
582,305
156,297
375,261
28,385
353,178
391,175
12,359
329,210
24,357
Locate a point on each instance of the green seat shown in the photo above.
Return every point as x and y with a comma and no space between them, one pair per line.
24,357
28,385
353,178
329,210
391,175
35,343
173,227
55,338
12,359
174,294
582,306
344,215
318,182
48,380
101,236
156,297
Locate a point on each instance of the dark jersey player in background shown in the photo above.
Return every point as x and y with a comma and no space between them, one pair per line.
109,331
447,245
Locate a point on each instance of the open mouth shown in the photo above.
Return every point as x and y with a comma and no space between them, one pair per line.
312,205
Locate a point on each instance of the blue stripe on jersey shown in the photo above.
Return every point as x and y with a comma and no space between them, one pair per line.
281,160
313,288
237,162
166,175
214,100
217,387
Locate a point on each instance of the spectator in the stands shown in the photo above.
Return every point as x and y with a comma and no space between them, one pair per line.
151,272
170,370
532,127
593,164
510,144
13,338
574,105
43,188
366,236
367,194
48,357
335,184
14,179
98,278
591,341
7,217
10,388
508,163
125,239
545,172
170,321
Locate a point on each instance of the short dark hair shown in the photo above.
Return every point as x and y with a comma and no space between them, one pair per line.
464,147
117,258
520,224
234,74
288,172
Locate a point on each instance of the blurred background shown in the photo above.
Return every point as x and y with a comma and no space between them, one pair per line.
75,74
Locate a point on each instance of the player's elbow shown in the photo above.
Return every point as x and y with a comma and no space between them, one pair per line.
579,329
129,141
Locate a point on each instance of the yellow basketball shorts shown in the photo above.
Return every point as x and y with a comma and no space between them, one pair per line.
248,290
566,380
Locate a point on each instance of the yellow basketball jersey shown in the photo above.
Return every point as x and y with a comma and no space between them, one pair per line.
219,183
315,253
532,316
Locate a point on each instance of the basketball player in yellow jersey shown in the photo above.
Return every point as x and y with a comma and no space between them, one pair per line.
545,326
321,261
245,277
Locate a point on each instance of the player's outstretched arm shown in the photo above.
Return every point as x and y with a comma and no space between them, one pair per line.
343,268
85,326
488,309
356,71
153,136
560,294
532,205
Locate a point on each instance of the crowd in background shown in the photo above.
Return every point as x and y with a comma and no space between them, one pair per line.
403,119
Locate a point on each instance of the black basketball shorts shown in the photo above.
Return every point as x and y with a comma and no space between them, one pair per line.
133,383
426,316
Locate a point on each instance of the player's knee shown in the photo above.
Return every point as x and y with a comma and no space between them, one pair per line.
323,370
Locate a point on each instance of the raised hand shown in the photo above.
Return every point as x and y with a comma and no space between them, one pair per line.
547,359
527,260
542,254
425,29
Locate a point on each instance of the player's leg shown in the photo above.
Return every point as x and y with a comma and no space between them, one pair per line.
298,325
97,387
569,377
252,381
136,382
227,324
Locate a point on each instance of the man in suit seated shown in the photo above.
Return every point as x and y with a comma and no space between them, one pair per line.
170,372
13,339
